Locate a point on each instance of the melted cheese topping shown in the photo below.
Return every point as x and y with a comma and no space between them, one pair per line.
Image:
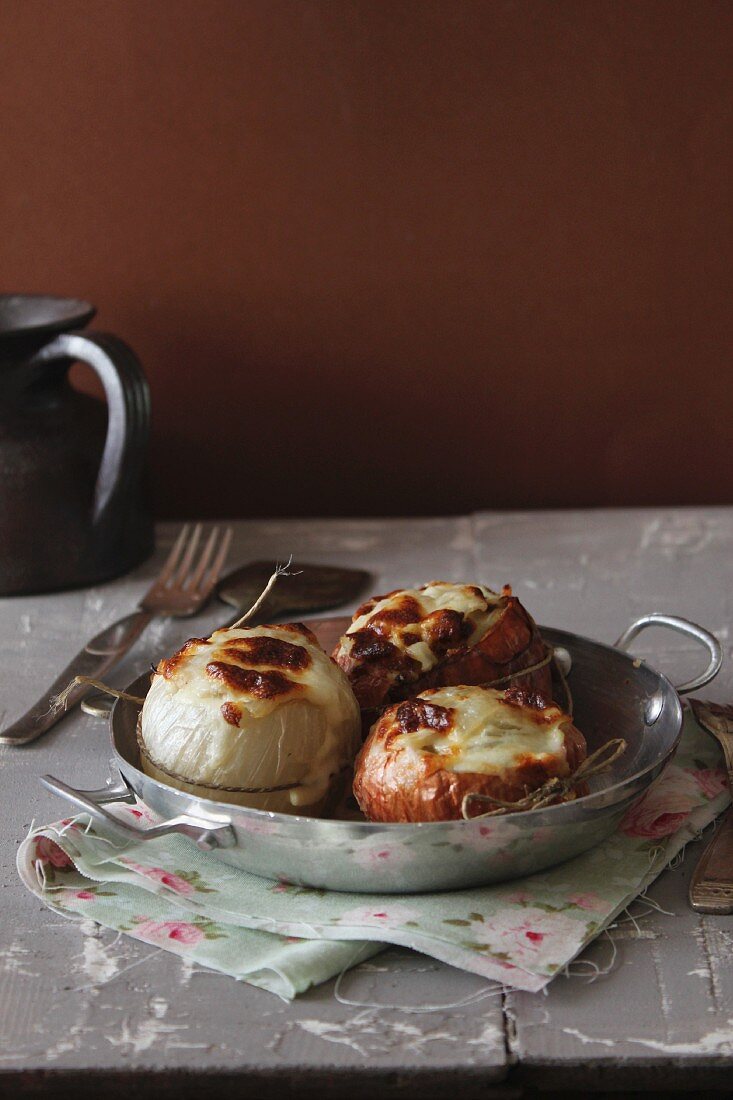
306,670
477,604
258,707
486,734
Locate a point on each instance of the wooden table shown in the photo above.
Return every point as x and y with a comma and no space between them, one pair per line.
84,1007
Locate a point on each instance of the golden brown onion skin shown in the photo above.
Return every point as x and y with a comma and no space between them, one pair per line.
394,785
512,643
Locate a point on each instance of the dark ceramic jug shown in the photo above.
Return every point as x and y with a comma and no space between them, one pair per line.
71,505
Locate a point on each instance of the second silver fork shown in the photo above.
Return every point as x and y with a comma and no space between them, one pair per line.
182,587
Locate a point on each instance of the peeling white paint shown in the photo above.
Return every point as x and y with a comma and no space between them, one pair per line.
588,1038
158,1007
664,998
715,1042
489,1036
98,965
371,1032
333,1033
677,533
713,958
94,601
146,1032
71,1042
13,960
186,970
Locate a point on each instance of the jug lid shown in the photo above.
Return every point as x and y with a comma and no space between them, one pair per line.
41,314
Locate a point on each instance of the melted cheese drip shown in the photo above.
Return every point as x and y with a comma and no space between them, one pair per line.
303,737
479,611
488,736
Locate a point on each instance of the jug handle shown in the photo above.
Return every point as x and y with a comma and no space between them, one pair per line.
128,406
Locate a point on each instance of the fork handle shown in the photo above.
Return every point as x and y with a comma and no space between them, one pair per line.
711,888
97,656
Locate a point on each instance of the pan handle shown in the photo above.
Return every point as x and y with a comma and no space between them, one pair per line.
690,630
207,832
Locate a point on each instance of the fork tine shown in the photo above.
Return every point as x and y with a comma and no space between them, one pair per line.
191,548
203,561
218,562
172,559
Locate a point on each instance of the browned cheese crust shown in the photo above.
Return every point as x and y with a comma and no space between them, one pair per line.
392,783
382,672
255,665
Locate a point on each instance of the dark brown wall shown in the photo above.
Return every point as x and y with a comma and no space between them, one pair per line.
390,256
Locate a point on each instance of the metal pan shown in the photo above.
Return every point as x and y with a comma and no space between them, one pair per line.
614,695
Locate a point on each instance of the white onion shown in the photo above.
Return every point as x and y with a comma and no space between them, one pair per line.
303,736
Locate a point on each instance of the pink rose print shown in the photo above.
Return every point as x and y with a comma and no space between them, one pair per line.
519,897
393,856
154,931
590,901
530,935
48,851
664,808
66,896
167,878
374,916
712,781
478,841
159,874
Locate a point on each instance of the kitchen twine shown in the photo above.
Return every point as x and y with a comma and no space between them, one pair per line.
551,791
548,793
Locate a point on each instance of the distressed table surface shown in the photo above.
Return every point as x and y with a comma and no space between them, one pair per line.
81,1005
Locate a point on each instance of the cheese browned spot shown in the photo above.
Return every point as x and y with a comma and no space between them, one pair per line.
368,646
445,630
417,714
169,665
263,685
404,609
231,713
270,652
520,697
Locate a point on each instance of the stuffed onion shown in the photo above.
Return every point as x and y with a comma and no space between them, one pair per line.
260,717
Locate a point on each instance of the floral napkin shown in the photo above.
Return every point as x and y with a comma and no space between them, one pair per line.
286,938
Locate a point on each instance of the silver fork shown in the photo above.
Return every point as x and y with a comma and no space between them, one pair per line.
182,587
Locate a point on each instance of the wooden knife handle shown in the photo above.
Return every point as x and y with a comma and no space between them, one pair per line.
711,889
